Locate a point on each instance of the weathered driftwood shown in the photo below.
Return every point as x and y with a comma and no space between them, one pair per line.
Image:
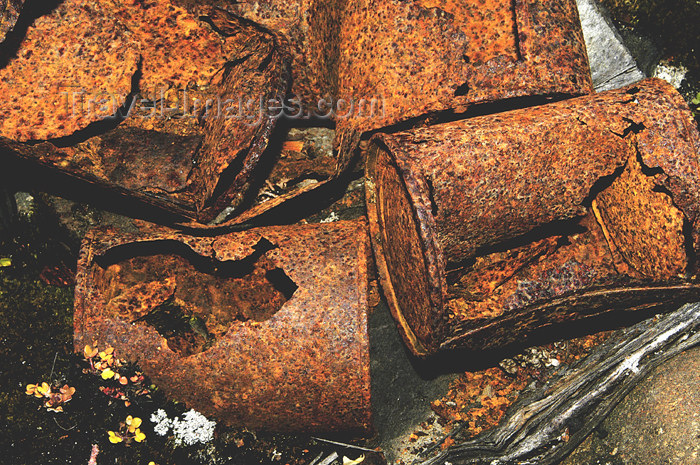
265,328
145,99
488,228
548,422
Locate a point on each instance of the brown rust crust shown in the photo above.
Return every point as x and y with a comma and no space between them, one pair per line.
61,55
300,365
566,202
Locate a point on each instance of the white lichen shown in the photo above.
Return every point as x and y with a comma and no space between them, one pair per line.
193,428
674,75
163,423
331,218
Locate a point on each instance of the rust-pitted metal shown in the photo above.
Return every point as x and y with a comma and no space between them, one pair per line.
57,57
285,344
422,57
9,13
488,228
156,64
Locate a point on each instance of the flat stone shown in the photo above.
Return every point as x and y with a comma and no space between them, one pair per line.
657,423
612,64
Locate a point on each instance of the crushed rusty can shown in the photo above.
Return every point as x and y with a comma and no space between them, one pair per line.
91,95
265,328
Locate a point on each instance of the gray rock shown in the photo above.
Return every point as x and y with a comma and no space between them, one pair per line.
612,64
657,423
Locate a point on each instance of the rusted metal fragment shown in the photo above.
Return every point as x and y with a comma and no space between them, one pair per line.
488,228
58,56
642,224
183,131
280,340
9,12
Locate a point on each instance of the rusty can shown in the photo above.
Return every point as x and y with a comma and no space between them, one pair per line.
92,94
489,228
265,328
377,63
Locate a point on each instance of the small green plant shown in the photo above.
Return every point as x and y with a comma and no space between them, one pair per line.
129,430
695,105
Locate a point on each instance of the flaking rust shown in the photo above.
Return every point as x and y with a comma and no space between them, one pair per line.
146,99
280,341
489,228
394,61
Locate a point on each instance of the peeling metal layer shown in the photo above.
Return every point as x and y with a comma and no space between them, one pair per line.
420,57
488,228
143,98
9,12
281,342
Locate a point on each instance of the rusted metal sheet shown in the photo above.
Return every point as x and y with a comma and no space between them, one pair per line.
9,13
265,328
421,57
146,99
489,228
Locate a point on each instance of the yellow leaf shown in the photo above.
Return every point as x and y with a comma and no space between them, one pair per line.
107,374
133,423
5,261
114,438
31,388
89,351
139,437
347,461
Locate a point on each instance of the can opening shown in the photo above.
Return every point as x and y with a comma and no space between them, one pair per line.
409,283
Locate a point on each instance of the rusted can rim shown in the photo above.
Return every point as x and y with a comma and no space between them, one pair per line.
417,192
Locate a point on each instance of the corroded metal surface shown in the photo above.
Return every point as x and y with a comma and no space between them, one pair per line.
421,57
145,98
9,12
280,341
488,228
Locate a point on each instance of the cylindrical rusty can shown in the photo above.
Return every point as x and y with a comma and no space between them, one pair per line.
424,58
488,228
265,328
